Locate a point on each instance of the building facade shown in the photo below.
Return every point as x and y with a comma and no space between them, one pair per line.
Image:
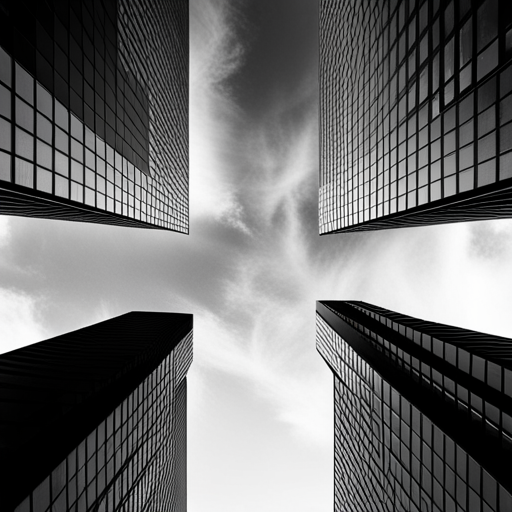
423,412
415,113
94,111
95,420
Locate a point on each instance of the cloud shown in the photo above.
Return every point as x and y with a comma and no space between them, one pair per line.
264,330
20,322
272,370
216,55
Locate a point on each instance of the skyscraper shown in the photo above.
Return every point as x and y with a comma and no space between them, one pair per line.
96,419
423,412
416,113
94,111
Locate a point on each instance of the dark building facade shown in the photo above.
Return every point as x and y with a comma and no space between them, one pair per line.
94,111
95,420
415,113
423,412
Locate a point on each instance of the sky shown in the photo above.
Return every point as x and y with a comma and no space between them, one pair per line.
260,422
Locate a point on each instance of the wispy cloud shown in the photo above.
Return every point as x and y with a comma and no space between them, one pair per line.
216,55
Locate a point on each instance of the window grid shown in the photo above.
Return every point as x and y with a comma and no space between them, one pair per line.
388,455
131,461
402,95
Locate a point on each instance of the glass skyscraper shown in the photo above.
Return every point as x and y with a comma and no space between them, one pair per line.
94,111
95,419
423,412
415,113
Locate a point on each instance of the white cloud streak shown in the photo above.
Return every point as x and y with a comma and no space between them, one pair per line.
216,54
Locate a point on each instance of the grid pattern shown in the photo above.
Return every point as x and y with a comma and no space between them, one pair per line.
416,112
128,462
444,379
389,454
82,126
112,427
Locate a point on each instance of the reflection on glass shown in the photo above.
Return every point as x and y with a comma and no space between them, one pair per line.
24,84
5,135
23,173
487,25
466,40
448,59
5,102
487,60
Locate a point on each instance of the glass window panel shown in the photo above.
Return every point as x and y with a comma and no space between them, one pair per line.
5,135
507,424
61,186
448,19
61,164
100,147
506,110
24,115
505,499
464,360
487,147
478,368
5,67
449,59
24,173
506,166
506,138
506,81
487,60
77,150
487,94
44,180
90,178
466,40
58,478
435,191
5,166
466,157
486,173
487,26
61,140
89,139
24,144
449,92
465,77
44,101
450,185
61,116
466,133
77,192
5,102
44,129
90,197
486,121
466,181
24,84
77,171
44,154
77,129
89,159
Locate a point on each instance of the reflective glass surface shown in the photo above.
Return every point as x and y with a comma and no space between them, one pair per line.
400,89
135,459
408,396
93,89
